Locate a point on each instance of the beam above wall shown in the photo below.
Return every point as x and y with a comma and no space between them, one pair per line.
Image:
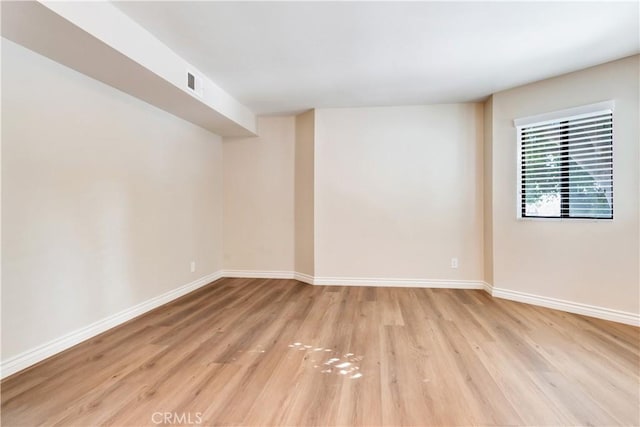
97,39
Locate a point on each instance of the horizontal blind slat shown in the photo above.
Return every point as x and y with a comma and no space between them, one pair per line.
555,140
605,127
552,145
598,121
559,122
555,171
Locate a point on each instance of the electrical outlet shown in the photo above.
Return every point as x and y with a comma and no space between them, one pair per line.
454,262
193,266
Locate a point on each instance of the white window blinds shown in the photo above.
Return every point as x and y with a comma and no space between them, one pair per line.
566,167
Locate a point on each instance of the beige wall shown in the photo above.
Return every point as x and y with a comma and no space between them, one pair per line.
590,262
399,192
105,201
488,190
258,198
304,193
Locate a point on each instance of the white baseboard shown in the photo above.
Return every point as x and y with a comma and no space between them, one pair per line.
302,277
569,306
356,281
398,283
37,354
488,287
257,274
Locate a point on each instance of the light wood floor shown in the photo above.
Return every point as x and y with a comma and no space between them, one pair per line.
277,352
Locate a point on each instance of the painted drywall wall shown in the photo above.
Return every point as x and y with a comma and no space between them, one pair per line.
588,262
399,192
106,200
488,190
259,198
304,193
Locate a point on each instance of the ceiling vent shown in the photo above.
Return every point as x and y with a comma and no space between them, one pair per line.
194,83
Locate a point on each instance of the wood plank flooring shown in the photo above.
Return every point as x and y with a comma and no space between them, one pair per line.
258,352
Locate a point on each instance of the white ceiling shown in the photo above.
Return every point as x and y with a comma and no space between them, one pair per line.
277,57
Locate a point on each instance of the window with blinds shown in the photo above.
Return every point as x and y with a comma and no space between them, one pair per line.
566,167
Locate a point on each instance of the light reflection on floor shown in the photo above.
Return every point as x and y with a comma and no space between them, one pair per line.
347,365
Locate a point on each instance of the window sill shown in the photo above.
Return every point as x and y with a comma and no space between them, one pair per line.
578,220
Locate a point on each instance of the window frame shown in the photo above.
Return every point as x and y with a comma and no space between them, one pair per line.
568,114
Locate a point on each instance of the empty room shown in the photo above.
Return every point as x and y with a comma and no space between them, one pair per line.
344,213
